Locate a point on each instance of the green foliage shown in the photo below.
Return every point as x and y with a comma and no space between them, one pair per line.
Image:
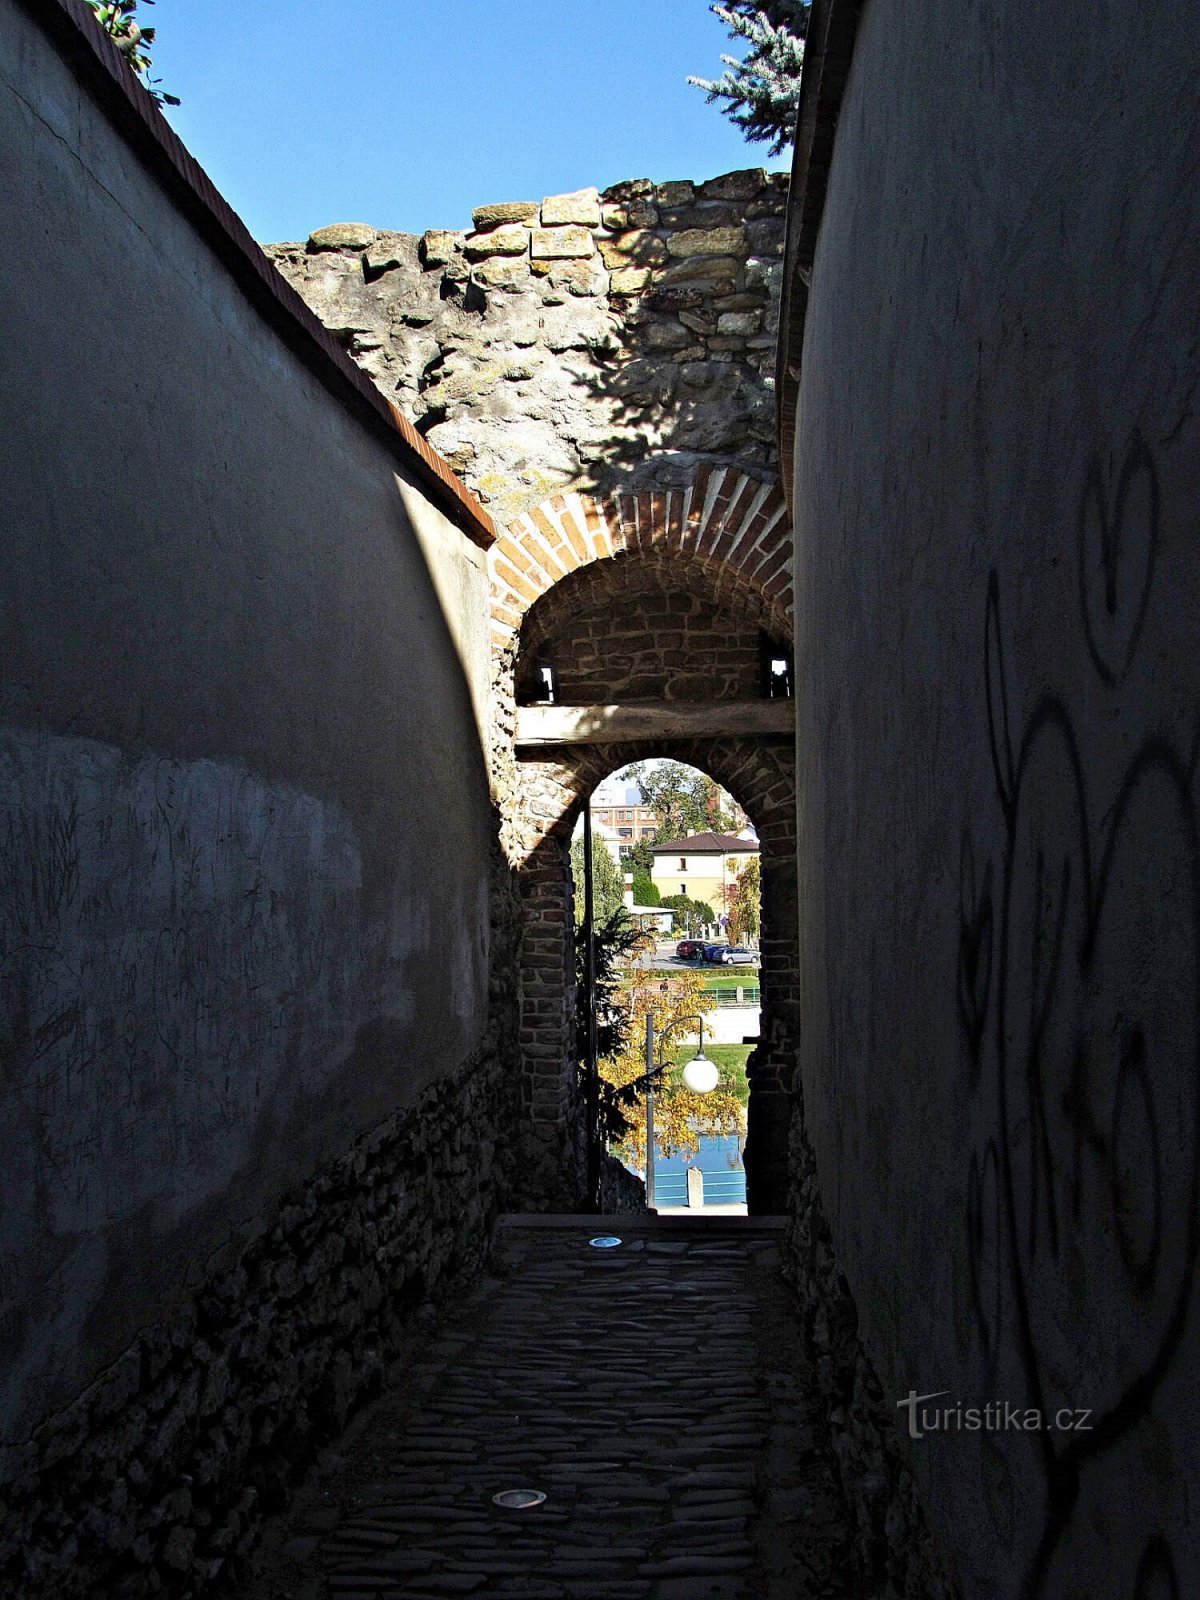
689,913
640,860
645,890
608,882
731,1061
684,800
118,18
761,93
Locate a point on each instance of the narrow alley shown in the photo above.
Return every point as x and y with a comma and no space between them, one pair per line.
656,1392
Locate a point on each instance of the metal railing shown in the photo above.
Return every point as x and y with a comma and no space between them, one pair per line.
720,1188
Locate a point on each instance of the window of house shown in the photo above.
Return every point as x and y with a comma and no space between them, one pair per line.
683,863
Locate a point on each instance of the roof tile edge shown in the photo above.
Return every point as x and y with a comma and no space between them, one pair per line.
99,65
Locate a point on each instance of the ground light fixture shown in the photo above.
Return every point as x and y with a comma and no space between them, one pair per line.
700,1076
518,1499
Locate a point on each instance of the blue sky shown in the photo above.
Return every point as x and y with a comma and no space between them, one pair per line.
407,113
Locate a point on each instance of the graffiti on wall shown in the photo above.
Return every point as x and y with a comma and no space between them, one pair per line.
1078,992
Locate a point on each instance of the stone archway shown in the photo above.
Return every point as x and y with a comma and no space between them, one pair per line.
721,547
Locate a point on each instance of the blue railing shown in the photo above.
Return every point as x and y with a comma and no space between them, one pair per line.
720,1188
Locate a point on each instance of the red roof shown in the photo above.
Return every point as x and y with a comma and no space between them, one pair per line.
698,844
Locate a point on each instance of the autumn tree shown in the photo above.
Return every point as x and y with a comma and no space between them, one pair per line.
681,1117
745,897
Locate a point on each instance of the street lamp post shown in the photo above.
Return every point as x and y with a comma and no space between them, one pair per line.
700,1075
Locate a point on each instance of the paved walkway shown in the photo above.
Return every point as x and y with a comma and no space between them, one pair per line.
655,1393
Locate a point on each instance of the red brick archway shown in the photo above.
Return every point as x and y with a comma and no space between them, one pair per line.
726,539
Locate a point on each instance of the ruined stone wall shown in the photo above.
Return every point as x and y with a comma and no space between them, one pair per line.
587,341
156,1477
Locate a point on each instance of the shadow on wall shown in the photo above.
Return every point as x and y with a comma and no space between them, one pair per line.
1079,999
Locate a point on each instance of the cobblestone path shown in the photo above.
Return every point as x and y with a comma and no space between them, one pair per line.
655,1393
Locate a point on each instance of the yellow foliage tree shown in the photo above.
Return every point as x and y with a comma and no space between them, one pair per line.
681,1117
744,897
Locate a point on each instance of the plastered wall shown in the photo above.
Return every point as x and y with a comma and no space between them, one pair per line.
244,817
997,503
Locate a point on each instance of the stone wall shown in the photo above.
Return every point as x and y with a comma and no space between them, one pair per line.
645,643
598,367
997,483
587,341
155,1479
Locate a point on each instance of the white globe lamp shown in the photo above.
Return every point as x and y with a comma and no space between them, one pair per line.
701,1075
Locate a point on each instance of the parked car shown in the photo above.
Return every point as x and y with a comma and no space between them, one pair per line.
690,949
730,955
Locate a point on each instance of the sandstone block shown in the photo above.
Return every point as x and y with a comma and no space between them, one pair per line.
561,244
667,336
439,246
707,214
342,236
630,214
741,185
738,322
635,249
575,277
707,242
712,269
675,194
740,302
385,253
582,207
629,280
502,272
485,217
508,239
628,189
765,238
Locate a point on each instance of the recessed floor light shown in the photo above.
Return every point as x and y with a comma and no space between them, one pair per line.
604,1241
518,1499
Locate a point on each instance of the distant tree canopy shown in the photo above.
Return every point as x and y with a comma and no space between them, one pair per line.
684,800
608,882
640,859
645,890
118,18
761,93
689,914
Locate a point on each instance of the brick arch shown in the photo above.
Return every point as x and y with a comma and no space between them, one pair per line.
761,777
726,535
732,524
